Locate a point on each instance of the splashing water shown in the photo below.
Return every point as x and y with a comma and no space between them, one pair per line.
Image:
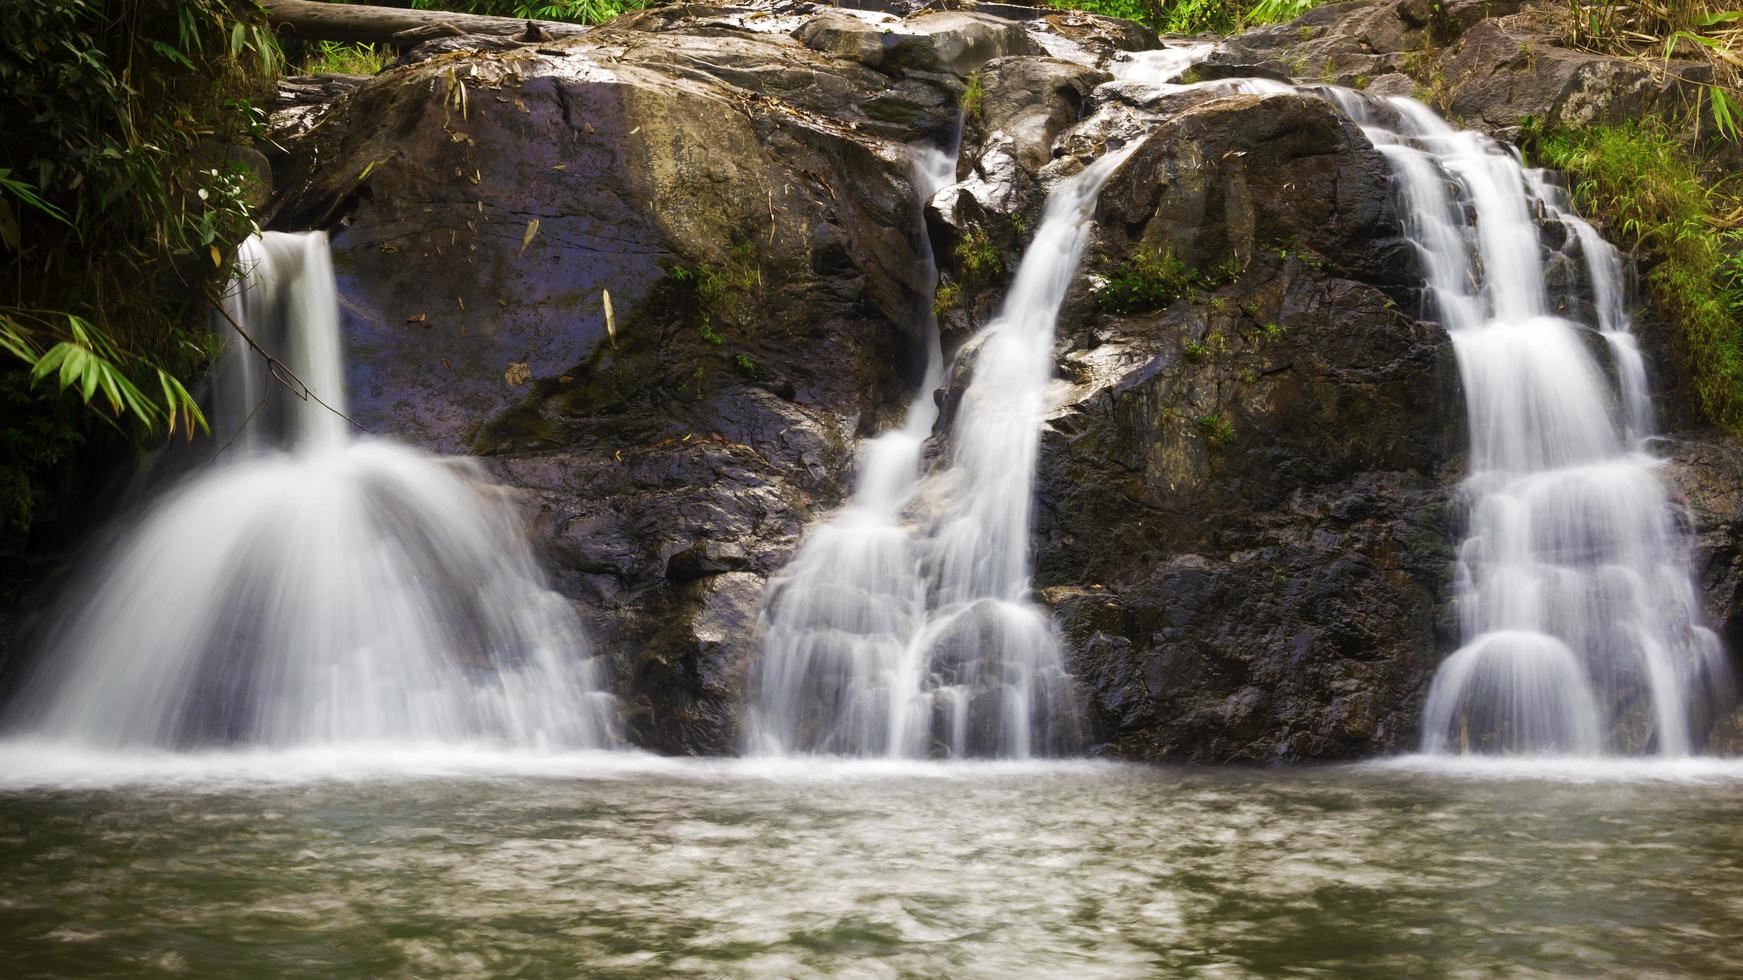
1582,628
330,591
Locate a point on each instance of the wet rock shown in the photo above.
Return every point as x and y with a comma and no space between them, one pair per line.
1032,100
1705,472
953,41
1253,478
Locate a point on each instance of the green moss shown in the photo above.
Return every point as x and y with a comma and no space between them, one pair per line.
1654,195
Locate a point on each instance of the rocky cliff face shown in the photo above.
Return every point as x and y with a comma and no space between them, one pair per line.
1246,496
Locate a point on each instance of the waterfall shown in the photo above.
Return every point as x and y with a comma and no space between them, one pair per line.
1581,627
311,588
903,627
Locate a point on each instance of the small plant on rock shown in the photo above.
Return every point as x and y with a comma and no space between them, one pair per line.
973,100
1150,278
1216,430
947,297
977,257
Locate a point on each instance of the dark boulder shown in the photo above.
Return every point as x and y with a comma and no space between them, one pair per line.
1244,524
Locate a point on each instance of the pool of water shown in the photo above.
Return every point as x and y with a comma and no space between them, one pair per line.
440,862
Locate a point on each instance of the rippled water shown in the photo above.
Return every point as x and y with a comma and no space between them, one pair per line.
620,865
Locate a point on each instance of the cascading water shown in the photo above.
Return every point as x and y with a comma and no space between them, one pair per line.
1582,632
903,626
330,591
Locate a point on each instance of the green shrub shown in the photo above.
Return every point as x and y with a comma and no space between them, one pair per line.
1149,278
119,207
947,297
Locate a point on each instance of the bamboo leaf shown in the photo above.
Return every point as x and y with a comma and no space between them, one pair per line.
527,239
92,376
610,318
46,364
73,365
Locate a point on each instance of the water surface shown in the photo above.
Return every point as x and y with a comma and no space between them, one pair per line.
446,862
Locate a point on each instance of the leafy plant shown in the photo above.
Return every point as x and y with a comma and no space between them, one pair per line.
120,201
1151,277
977,257
1216,430
339,58
973,101
947,297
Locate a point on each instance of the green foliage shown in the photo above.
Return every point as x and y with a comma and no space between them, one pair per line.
1216,430
1213,343
574,11
119,204
1650,190
947,297
1682,29
339,58
1276,11
1195,16
1151,277
977,258
1274,332
88,363
973,101
723,293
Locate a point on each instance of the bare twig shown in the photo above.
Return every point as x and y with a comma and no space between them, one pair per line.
280,371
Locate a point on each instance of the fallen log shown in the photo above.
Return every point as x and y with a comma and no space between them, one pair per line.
310,20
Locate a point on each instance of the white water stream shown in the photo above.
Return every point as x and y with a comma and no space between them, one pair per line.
312,589
903,626
1582,629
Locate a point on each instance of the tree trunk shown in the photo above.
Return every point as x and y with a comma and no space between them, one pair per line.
310,20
